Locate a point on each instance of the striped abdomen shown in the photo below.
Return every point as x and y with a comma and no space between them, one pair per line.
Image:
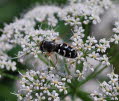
66,51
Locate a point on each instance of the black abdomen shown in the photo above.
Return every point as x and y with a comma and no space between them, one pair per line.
66,51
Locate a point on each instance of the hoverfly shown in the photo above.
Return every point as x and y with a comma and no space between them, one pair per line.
62,49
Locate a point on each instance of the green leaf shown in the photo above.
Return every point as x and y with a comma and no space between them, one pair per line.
83,95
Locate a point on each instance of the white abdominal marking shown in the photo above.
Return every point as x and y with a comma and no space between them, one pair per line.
58,50
64,52
70,54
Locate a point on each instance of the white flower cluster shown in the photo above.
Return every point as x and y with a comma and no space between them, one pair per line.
23,31
86,11
28,33
44,13
30,43
116,30
115,38
78,14
6,63
4,45
106,4
28,22
108,90
91,48
17,27
41,86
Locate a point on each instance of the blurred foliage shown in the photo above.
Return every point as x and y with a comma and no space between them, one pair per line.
7,87
11,8
14,8
114,53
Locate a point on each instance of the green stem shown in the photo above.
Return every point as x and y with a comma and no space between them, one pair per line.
83,95
44,60
66,67
52,64
92,75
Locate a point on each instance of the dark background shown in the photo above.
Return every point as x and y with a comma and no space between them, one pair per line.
9,9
